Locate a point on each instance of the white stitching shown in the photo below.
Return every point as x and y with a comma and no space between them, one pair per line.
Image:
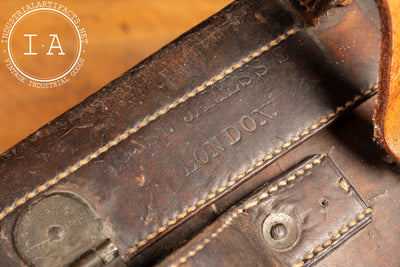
268,157
141,124
360,217
249,205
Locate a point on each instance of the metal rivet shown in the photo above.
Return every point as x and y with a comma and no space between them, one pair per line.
278,231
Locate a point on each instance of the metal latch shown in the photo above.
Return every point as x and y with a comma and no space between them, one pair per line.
62,230
104,255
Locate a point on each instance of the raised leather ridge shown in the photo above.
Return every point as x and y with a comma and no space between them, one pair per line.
191,123
314,203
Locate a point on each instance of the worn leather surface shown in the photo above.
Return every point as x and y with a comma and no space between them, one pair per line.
386,117
154,148
350,147
178,236
314,204
311,10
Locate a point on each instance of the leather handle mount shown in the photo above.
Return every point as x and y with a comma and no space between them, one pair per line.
387,111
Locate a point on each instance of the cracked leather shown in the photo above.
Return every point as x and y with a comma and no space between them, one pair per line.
153,189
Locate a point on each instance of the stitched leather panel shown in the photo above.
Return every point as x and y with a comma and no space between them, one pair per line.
196,119
323,208
127,102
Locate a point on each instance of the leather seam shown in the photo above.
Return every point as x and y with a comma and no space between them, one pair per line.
229,219
143,123
252,204
360,217
231,183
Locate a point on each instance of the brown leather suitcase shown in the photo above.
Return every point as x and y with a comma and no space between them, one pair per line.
218,150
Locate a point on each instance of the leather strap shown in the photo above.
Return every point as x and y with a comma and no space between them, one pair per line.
285,223
191,123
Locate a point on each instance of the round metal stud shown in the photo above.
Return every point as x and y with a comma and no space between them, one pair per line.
280,231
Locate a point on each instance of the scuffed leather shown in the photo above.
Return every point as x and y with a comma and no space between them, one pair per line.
138,186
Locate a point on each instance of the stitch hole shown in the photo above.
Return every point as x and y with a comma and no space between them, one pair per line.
324,203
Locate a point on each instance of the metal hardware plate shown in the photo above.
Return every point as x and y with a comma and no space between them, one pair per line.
56,230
